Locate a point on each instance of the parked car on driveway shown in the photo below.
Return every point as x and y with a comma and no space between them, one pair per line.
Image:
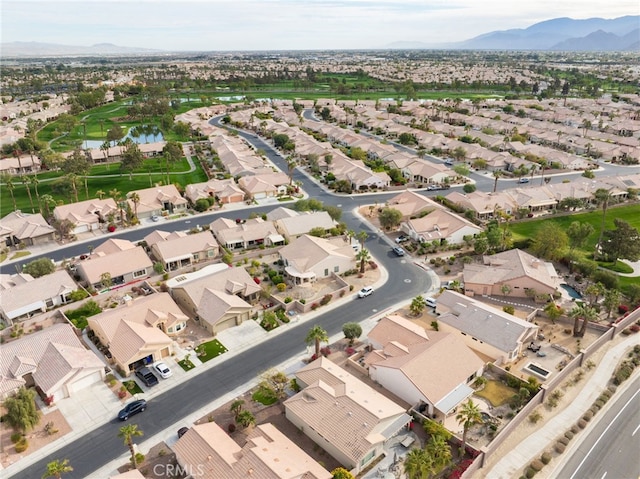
398,251
162,369
402,238
147,377
364,292
134,407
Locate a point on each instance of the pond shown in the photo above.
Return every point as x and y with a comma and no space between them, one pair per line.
138,134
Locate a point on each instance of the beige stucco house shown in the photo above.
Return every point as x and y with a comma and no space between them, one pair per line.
488,330
253,232
440,225
139,332
309,258
31,229
53,359
210,453
518,272
87,215
225,191
123,267
180,250
301,224
158,200
344,416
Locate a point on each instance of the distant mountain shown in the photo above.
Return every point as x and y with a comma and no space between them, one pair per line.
558,34
593,34
38,49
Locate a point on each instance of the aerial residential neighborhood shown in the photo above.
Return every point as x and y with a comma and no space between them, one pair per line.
392,263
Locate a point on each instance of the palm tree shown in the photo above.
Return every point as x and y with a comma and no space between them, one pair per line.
439,451
543,165
362,237
105,150
26,182
73,180
246,418
7,179
47,201
236,408
418,464
128,432
100,194
116,195
57,468
33,180
468,416
363,256
316,335
602,197
135,199
291,167
496,174
584,313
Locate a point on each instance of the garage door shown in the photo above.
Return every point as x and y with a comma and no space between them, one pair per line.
85,382
81,229
226,324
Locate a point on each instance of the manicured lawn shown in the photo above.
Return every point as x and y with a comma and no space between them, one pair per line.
496,393
186,364
133,387
617,266
79,315
630,213
21,254
210,350
264,396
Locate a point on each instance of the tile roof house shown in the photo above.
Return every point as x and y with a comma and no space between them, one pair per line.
35,296
159,199
250,233
124,267
53,359
410,203
343,415
226,191
516,269
267,185
440,225
185,250
31,229
113,245
304,222
430,371
87,215
209,453
308,258
139,333
485,329
25,164
218,296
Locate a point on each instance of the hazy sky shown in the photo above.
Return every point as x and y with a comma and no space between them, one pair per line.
282,24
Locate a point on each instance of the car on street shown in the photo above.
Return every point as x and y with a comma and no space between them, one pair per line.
398,251
364,292
147,377
155,218
523,180
438,187
162,369
134,407
402,238
448,162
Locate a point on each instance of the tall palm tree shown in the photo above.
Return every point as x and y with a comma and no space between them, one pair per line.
135,199
117,196
363,256
26,182
57,468
602,197
543,165
7,179
316,335
47,201
128,432
418,464
584,313
33,180
439,451
73,181
100,194
496,174
362,237
468,416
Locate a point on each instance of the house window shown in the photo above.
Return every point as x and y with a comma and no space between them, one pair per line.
326,271
336,269
49,303
196,256
211,253
138,274
368,457
179,327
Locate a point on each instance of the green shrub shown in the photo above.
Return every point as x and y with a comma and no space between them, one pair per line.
545,458
529,473
568,435
22,445
587,416
16,437
564,440
559,447
509,309
537,465
575,429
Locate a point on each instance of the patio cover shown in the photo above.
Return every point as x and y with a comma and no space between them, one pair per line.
455,397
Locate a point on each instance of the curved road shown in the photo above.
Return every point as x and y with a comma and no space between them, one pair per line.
102,445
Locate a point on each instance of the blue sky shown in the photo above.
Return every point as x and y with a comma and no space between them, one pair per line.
207,25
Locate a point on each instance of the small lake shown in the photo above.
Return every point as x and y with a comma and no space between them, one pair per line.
138,134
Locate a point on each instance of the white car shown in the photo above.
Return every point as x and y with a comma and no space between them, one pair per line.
364,292
163,370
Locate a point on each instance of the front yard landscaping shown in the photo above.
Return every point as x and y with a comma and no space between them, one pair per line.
210,350
186,364
496,393
133,387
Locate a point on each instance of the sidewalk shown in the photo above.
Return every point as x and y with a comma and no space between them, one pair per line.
535,444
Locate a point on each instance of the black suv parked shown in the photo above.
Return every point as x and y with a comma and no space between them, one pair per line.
147,377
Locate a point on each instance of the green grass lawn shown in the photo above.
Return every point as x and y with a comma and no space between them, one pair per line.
20,254
629,213
186,364
264,396
496,393
132,387
210,350
617,266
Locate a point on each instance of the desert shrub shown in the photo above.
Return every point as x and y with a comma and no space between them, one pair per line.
575,429
16,437
509,309
612,389
582,423
537,465
606,393
568,435
559,447
529,473
587,416
594,409
231,427
281,287
564,440
325,299
288,299
22,445
545,458
534,417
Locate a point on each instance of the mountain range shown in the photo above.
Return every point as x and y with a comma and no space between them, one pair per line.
620,34
558,34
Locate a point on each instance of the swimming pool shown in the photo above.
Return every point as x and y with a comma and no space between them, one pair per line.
572,292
